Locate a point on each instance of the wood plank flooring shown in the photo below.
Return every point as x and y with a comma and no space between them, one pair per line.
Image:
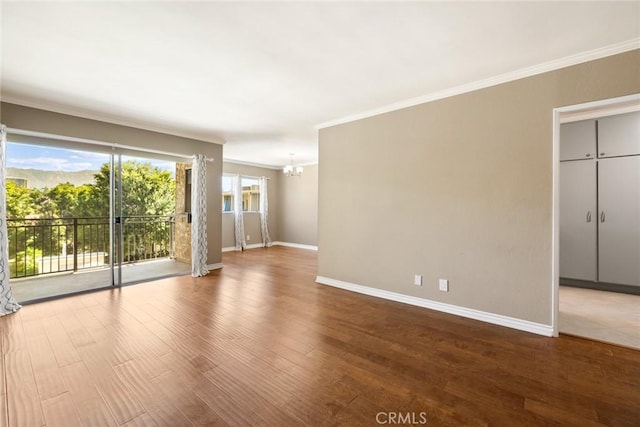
259,343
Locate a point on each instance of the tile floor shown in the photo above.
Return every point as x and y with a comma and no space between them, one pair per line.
604,316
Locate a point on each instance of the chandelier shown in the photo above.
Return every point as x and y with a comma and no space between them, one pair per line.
291,170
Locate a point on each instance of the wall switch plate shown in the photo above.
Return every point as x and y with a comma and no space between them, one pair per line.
417,280
443,285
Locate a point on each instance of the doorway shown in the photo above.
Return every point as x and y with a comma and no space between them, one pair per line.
80,220
596,314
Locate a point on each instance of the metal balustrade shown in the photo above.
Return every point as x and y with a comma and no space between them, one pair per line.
52,245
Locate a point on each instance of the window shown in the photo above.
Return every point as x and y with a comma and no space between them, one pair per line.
250,194
227,193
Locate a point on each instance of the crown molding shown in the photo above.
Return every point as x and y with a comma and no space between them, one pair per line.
545,67
260,165
305,164
255,165
76,112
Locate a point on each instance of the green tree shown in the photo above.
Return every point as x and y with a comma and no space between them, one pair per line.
146,190
64,197
19,201
87,205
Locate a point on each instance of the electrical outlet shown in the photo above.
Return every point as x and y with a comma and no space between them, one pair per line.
248,237
443,285
417,280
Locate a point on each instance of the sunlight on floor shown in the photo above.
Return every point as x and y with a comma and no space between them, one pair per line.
48,285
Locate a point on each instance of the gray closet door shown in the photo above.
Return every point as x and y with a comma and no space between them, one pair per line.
619,135
578,140
619,220
578,220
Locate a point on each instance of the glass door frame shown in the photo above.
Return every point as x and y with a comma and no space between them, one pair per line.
115,219
113,154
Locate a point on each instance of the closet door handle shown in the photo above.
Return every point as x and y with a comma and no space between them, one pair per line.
588,216
602,217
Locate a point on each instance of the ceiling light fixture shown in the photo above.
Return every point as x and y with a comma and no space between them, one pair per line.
291,170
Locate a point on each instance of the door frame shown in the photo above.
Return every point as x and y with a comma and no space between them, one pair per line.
567,114
115,151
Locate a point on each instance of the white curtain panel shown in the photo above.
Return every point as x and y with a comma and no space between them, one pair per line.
264,213
199,216
241,242
8,304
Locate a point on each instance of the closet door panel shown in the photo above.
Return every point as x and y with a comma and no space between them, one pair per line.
619,220
578,220
619,135
578,140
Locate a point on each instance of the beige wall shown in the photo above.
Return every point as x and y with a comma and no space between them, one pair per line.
19,117
252,219
459,188
298,219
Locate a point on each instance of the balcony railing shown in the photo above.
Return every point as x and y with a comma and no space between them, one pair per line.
53,245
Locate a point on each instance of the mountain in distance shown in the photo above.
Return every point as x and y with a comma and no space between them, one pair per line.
37,178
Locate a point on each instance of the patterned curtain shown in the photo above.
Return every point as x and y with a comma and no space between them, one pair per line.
8,304
264,213
241,242
199,217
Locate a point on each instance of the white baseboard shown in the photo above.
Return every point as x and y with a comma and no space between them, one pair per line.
296,245
216,266
496,319
260,245
252,246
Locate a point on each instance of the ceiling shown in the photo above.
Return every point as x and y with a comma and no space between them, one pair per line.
262,76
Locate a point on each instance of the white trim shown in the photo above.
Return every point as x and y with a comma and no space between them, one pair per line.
105,118
603,108
296,245
251,246
496,319
216,266
568,61
555,224
304,164
603,105
264,166
599,113
287,244
255,165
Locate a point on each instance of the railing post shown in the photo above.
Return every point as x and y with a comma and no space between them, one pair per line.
75,244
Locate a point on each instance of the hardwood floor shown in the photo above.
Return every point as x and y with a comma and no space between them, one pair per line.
259,343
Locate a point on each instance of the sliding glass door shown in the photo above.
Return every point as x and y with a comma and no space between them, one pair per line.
80,220
58,220
149,234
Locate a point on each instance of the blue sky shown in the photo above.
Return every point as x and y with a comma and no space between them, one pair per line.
25,156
